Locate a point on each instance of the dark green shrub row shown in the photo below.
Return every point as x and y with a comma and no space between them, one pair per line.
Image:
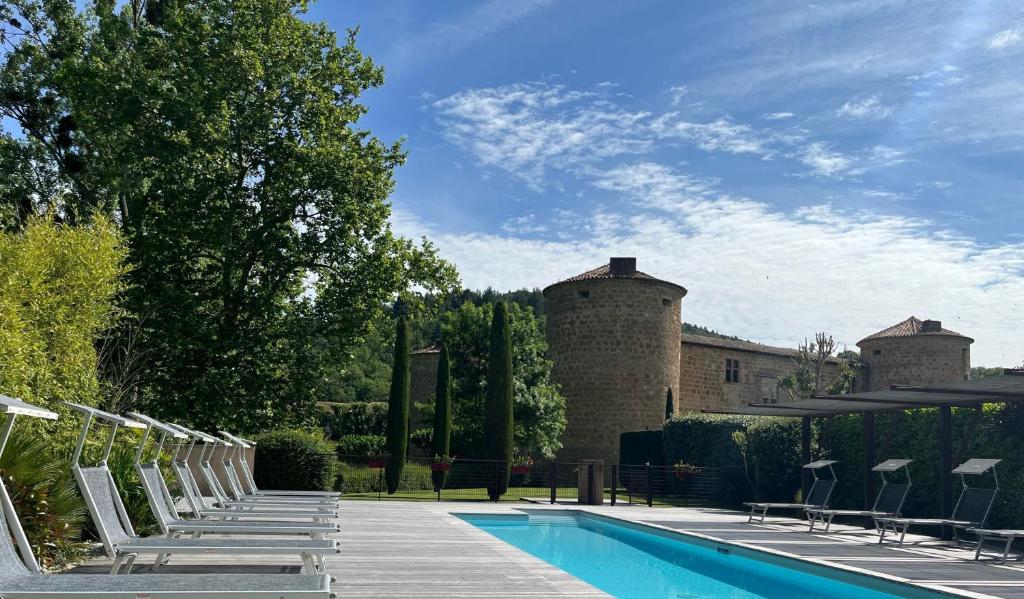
357,478
356,419
641,447
763,461
294,459
360,445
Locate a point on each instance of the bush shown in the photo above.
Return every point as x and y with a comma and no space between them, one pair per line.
641,447
356,419
706,440
356,478
360,445
774,457
46,499
294,459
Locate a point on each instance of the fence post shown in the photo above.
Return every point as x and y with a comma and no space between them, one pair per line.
615,481
554,482
650,492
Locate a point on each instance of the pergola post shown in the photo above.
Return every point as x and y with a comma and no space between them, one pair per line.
869,463
946,465
805,455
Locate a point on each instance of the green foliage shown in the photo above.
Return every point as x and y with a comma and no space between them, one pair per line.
46,499
361,445
539,409
122,468
774,455
398,406
224,138
670,406
498,423
707,440
294,459
59,283
356,478
981,372
356,419
442,432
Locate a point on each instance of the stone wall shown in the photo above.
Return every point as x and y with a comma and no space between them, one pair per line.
615,347
917,360
702,384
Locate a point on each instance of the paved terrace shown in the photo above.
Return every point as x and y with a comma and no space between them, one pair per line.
418,549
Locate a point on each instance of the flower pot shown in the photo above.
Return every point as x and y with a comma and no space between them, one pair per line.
520,469
375,463
440,467
683,474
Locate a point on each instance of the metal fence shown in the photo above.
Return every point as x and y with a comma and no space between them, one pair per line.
542,481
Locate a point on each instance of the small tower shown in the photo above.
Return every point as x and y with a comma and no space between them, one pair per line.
914,352
614,336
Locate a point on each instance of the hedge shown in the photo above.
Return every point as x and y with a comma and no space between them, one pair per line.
773,454
294,459
360,445
356,419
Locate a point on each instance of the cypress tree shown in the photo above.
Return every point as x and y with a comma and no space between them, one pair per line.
670,408
398,407
498,423
441,442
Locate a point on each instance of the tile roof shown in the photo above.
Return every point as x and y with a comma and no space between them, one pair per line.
430,349
739,345
911,327
605,272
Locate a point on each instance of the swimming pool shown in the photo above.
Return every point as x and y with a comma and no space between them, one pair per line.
633,561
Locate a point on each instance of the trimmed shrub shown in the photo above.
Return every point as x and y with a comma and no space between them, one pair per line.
774,456
360,445
441,437
356,419
398,406
706,440
498,420
294,459
641,447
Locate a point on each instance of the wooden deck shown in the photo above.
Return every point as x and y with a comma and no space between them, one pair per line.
418,549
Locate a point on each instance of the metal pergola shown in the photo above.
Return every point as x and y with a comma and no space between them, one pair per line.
1004,388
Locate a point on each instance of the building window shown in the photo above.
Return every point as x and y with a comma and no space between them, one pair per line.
732,370
876,352
583,294
666,302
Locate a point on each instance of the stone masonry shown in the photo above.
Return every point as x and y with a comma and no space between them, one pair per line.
914,352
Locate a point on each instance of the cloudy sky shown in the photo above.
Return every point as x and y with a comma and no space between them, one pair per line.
798,167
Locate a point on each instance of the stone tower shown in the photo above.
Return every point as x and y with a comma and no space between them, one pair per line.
914,352
614,336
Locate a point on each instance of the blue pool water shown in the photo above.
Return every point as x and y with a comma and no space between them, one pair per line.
629,562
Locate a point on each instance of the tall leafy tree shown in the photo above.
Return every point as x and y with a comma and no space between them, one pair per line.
498,423
442,434
398,407
223,136
670,407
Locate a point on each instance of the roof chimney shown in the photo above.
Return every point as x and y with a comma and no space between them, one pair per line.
622,267
931,326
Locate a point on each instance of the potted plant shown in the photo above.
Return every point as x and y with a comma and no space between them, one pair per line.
684,471
442,463
377,462
522,464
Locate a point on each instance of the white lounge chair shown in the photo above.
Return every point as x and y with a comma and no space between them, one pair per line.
249,483
1007,536
817,498
23,578
118,536
888,502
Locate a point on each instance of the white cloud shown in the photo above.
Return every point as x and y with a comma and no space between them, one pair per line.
720,135
777,116
866,108
677,93
769,275
942,184
826,162
1007,37
526,129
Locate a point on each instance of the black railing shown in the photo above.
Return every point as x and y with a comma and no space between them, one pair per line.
542,481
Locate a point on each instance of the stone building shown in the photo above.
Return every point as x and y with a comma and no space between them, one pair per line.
716,374
423,373
914,352
613,334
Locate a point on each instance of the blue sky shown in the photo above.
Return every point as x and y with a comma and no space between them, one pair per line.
798,167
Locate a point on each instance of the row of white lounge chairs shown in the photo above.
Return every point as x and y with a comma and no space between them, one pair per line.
970,515
241,509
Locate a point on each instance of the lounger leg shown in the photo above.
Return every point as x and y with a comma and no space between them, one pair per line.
1006,548
828,523
116,565
130,562
903,533
881,532
322,561
977,552
307,561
